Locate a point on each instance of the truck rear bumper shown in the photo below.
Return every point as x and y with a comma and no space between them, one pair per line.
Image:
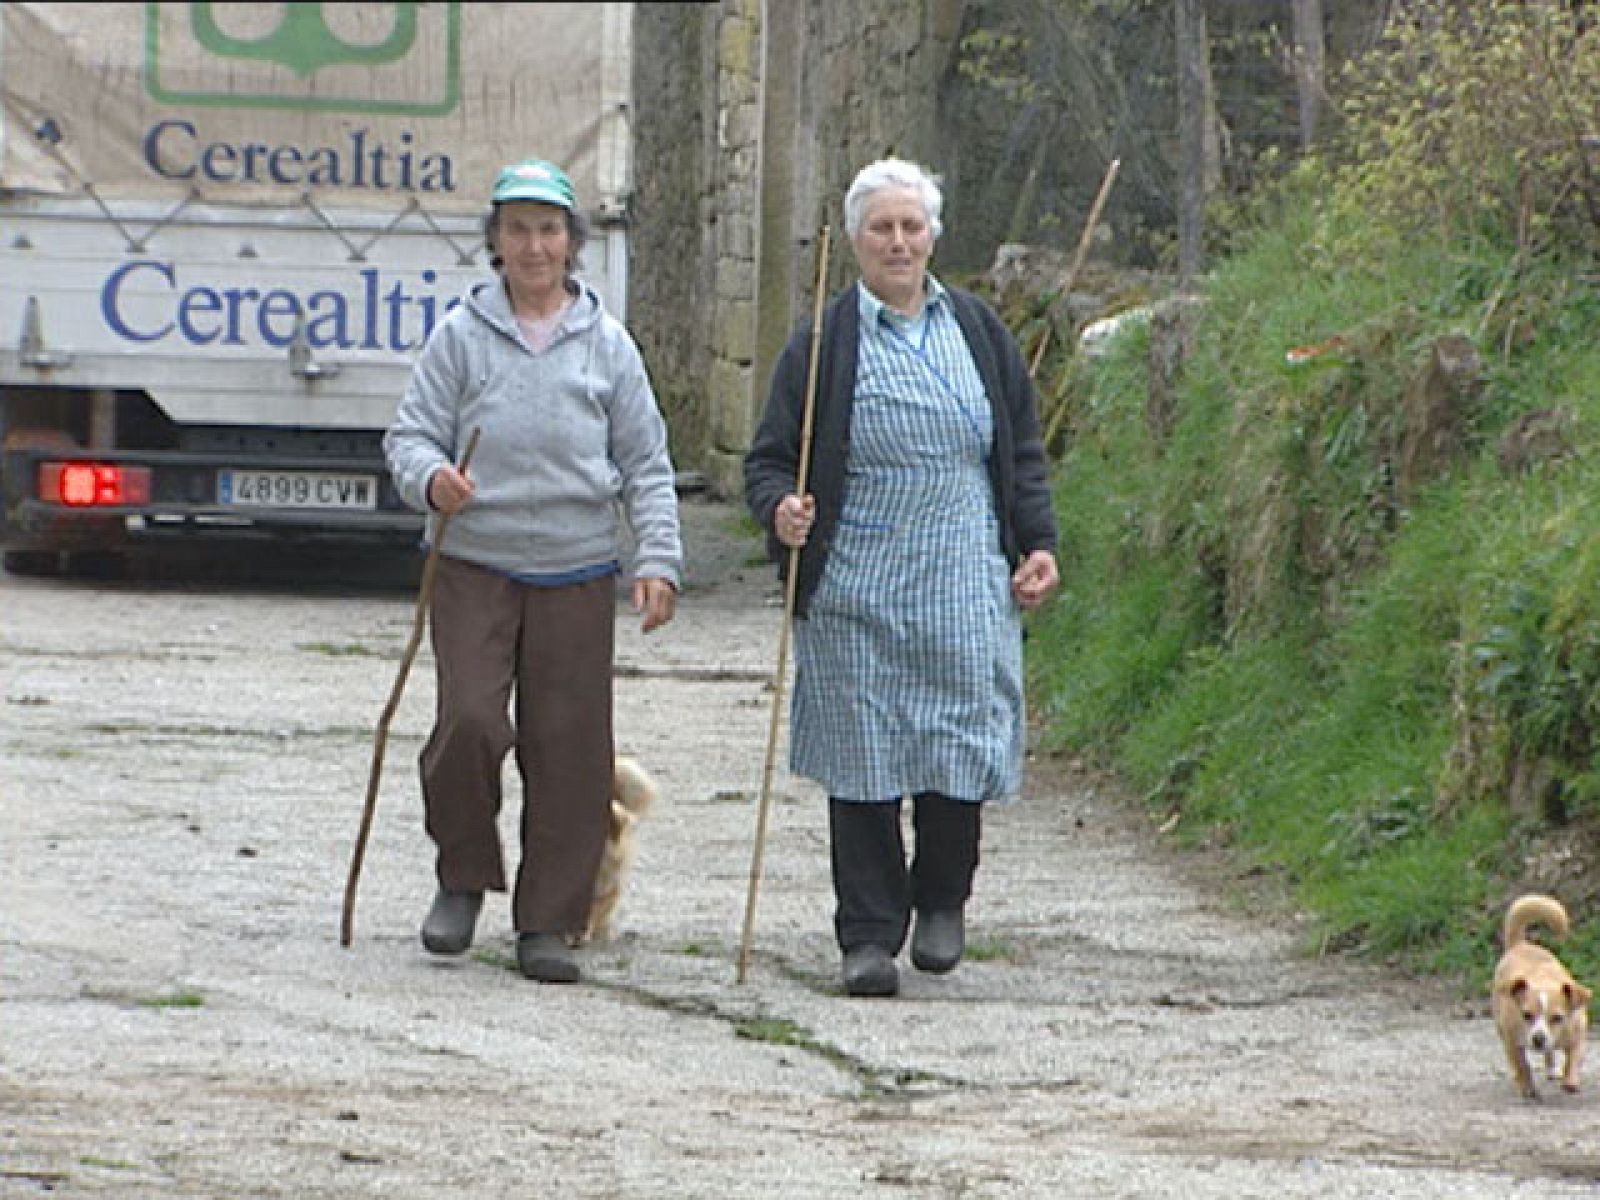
187,497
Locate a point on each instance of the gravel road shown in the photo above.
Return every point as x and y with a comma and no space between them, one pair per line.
182,766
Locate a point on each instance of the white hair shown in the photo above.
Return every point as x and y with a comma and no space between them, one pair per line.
892,173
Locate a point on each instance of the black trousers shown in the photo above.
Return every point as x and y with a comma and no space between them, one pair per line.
874,890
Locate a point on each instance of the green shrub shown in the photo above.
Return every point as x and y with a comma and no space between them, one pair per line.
1473,121
1385,690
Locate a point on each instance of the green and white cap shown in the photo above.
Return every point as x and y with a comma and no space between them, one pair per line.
537,180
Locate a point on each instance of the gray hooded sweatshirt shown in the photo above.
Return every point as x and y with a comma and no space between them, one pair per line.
572,442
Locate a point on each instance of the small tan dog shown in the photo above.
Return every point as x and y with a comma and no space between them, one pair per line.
632,793
1539,1009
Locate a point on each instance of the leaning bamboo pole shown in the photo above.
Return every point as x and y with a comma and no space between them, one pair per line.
802,472
1059,412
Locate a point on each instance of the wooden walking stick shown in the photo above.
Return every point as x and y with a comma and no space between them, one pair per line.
764,807
419,620
1077,260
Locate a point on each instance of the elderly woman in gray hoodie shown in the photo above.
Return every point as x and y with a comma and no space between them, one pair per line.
572,446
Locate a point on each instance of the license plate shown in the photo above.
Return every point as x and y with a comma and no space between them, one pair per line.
296,489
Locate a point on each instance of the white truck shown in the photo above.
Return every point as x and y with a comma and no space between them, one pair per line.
226,229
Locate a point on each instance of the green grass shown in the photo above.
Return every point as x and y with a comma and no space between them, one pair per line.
338,649
1305,657
991,949
178,999
107,1164
742,524
775,1031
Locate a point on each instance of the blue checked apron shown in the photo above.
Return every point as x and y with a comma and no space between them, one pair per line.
908,668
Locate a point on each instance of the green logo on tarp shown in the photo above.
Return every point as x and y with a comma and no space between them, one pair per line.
302,41
193,55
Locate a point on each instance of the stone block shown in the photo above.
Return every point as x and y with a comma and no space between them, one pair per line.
732,416
737,42
743,125
736,234
736,279
734,335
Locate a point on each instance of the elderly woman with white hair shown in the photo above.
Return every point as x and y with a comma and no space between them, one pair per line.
926,530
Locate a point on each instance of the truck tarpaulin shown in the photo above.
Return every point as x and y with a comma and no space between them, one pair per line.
360,104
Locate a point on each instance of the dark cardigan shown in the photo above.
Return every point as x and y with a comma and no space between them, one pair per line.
1018,471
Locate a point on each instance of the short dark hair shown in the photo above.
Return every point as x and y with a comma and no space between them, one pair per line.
577,236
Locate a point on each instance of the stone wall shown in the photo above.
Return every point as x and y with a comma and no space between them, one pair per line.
736,225
872,81
674,79
695,221
751,117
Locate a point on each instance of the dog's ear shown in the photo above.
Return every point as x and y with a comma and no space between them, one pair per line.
1577,995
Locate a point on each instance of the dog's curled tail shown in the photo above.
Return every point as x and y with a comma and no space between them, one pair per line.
635,790
1533,910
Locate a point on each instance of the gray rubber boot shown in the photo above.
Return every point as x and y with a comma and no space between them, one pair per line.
870,971
547,958
449,925
938,940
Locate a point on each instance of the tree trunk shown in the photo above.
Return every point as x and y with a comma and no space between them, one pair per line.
1192,69
1310,66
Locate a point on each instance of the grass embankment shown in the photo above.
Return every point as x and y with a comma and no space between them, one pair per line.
1329,631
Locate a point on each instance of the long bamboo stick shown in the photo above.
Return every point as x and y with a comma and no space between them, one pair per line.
764,806
1077,259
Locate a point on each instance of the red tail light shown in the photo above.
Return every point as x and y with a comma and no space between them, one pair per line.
93,485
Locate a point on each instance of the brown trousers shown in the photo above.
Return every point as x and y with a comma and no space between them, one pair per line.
552,647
